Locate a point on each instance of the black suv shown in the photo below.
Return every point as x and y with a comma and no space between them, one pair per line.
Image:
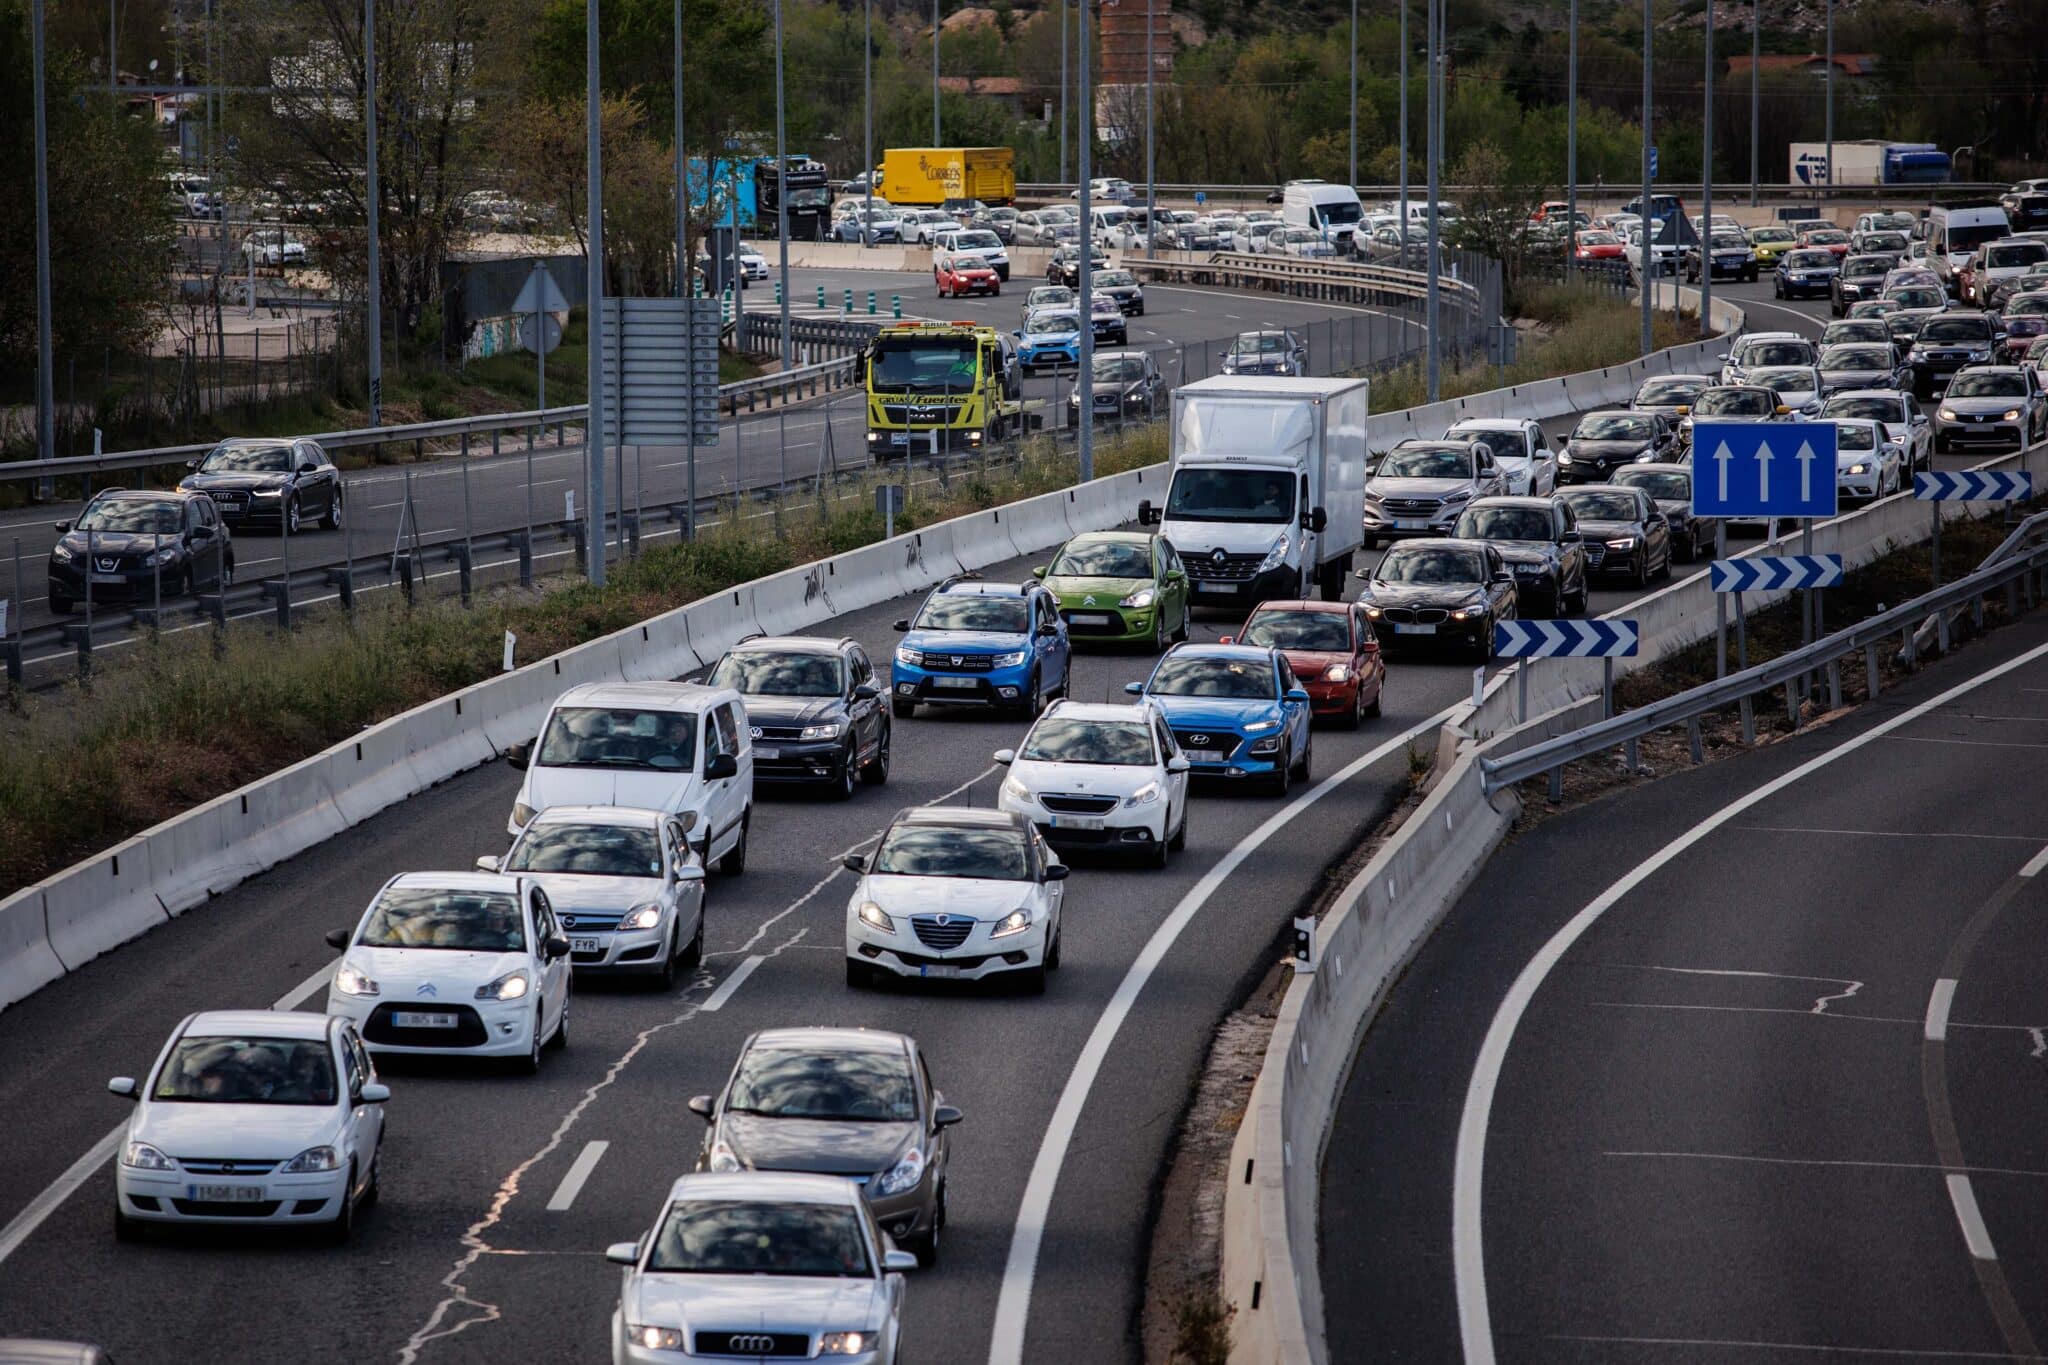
814,709
1065,266
127,546
1946,343
274,481
1860,278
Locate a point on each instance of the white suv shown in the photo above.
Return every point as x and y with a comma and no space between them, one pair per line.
1520,450
1097,777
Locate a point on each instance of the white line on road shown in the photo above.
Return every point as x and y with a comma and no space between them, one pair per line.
578,1172
1975,1235
1824,1161
1801,1347
727,987
1935,1029
2035,864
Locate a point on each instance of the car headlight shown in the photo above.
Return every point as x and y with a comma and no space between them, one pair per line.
724,1159
830,730
1275,556
1143,796
1268,745
266,492
875,917
911,657
1565,458
1372,613
522,813
2012,414
655,1338
349,981
1337,673
1859,469
1622,543
61,552
1012,659
1016,922
1980,355
1016,790
844,1343
1948,414
312,1159
165,555
908,1170
642,917
1645,455
141,1156
511,986
1143,597
1260,727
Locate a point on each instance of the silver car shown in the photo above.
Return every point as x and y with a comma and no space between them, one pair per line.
1996,406
848,1102
758,1265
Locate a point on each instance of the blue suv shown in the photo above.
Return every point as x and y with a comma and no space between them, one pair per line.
981,644
1235,711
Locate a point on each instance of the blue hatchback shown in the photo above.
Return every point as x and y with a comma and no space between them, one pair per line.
981,644
1051,336
1235,711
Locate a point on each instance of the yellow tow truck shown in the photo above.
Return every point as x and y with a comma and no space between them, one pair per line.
940,387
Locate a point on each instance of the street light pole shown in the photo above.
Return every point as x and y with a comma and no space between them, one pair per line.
46,388
374,322
1403,224
1830,85
1707,191
682,171
1063,92
1646,272
1433,43
1151,164
782,191
867,136
1756,58
935,73
1571,141
1084,382
1353,182
593,430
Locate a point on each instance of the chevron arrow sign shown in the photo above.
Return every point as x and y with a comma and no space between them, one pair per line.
1973,485
1781,571
1564,639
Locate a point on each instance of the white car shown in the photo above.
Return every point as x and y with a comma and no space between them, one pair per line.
753,1264
1798,387
753,264
270,248
955,893
1905,425
624,884
468,963
976,242
1520,450
269,1117
921,227
1765,348
680,748
1100,778
1868,465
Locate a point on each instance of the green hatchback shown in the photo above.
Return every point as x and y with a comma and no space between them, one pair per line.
1124,587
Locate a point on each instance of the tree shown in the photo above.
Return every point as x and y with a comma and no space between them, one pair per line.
543,157
1496,211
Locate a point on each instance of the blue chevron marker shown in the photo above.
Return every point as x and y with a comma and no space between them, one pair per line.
1769,572
1564,639
1973,485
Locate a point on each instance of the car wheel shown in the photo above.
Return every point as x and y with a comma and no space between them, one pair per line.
344,1225
902,710
332,521
1372,712
291,516
848,772
876,771
1355,717
1179,839
560,1040
375,1188
735,860
1307,761
530,1063
1159,634
1282,780
1031,981
62,606
1034,700
126,1229
1641,576
1180,635
665,979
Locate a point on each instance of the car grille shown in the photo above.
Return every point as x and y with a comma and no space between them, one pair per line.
960,663
468,1031
778,732
225,1166
231,499
1594,554
942,937
752,1344
221,1208
1229,569
1417,616
590,921
1079,805
1113,625
1222,740
1412,507
903,414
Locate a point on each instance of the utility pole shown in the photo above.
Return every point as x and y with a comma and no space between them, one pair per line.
593,430
1571,142
1756,58
46,373
1403,225
1830,86
374,322
1647,272
1063,92
1431,310
1084,382
782,190
113,66
1707,191
683,289
1353,182
1151,165
935,74
867,141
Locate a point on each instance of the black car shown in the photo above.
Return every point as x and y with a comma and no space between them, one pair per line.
1268,351
1122,286
1540,541
1670,487
282,483
1065,266
1002,222
126,546
1126,384
1859,365
1625,534
1733,258
1604,441
1440,591
1805,273
1860,278
1854,331
814,708
1945,344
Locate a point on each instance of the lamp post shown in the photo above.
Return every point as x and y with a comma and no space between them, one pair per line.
1084,382
46,392
1647,269
1571,141
935,73
1830,87
1707,191
867,143
1353,182
593,431
1433,367
782,190
1403,224
1756,58
1151,165
375,319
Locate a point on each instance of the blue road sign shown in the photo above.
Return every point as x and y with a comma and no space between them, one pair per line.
1763,469
1775,571
1973,486
1653,161
1201,196
1564,639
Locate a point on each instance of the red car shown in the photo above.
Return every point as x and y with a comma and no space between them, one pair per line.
1826,239
1598,244
958,276
1332,650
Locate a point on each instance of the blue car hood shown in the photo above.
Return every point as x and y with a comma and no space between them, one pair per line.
1219,713
965,641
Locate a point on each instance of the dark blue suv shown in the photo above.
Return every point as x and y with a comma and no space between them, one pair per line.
981,644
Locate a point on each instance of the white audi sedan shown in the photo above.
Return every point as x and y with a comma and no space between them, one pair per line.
1100,778
268,1117
468,963
760,1265
955,893
624,885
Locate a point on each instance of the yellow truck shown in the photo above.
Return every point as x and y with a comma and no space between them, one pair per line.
916,177
935,388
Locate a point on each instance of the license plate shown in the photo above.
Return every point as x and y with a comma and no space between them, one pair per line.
1203,755
1212,586
897,438
226,1194
1411,523
1084,618
941,972
953,682
764,751
1077,822
112,579
403,1019
581,945
1401,629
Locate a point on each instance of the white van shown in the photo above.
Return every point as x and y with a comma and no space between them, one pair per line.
1330,211
1954,234
680,748
1106,225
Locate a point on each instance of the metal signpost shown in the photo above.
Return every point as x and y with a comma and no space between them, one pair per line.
1600,639
1968,486
659,384
888,502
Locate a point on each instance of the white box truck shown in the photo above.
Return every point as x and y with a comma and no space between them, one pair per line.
1267,498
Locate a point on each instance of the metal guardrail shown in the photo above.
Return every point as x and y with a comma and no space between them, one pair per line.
1356,281
1734,190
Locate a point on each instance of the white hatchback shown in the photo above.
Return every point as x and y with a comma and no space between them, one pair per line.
1095,777
1520,449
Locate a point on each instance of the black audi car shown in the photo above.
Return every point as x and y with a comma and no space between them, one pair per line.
277,482
1626,536
1431,592
127,546
1946,344
1670,487
1542,547
814,709
1860,278
1604,441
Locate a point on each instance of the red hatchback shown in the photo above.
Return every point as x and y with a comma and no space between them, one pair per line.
1331,648
962,275
1597,244
1826,239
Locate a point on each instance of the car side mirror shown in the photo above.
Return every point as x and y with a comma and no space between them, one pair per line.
1571,538
902,627
895,1262
688,872
487,863
1148,515
557,945
628,1253
192,465
1005,756
945,1116
1722,356
854,863
309,468
124,1086
1297,694
865,692
1503,577
1038,572
519,755
63,527
1176,576
720,767
338,938
1178,764
1226,640
374,1092
1315,519
1057,872
1136,689
1048,627
702,1107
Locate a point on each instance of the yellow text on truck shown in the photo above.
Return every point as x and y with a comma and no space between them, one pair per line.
938,387
914,177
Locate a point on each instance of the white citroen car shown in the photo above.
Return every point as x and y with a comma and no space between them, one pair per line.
468,963
758,1264
1096,777
955,893
270,1117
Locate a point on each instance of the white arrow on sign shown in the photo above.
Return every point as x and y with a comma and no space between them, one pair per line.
1763,470
1805,458
1721,458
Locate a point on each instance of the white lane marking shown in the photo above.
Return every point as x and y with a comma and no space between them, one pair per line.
578,1172
1975,1235
1972,743
1885,833
1935,1029
731,984
1468,1255
1801,1347
2036,1033
1820,1006
1013,1304
2035,864
1828,1161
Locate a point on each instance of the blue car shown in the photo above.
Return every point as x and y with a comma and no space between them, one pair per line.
1051,336
1235,711
982,644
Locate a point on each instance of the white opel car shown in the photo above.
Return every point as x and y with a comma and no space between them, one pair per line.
1098,777
269,1117
624,884
955,893
757,1265
467,963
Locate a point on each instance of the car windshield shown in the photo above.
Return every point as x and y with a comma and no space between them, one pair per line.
1206,675
1856,358
1671,392
1871,408
1873,308
246,459
430,917
953,851
590,850
1893,242
1956,329
1848,437
1326,631
1261,343
1053,324
1114,279
1426,462
1599,239
732,1237
1798,379
1103,559
1918,296
1236,495
914,364
1592,505
976,241
1503,523
1118,369
224,1069
761,673
1781,353
1978,384
1867,265
859,1086
136,516
1730,241
1809,260
1047,295
1827,237
1851,329
1772,234
1005,615
1431,564
2028,306
618,737
1057,740
2014,255
1662,484
1734,403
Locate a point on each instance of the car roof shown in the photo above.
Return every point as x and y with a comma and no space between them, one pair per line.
1659,467
1511,500
255,440
1453,542
981,588
1677,374
146,494
645,696
1771,336
822,1039
1137,713
1895,394
263,1023
459,881
781,1187
1306,604
1487,424
960,817
795,644
1114,538
1240,653
1994,369
633,817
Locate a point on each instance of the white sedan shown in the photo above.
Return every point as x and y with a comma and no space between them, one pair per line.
1098,777
624,884
468,963
753,264
251,1116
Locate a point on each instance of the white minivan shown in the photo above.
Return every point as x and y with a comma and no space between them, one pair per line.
679,748
1332,212
1954,234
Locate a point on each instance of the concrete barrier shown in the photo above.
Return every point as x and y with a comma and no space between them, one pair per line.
792,600
27,963
189,856
101,903
722,620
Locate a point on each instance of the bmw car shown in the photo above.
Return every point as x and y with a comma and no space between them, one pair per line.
1236,711
1541,545
1670,487
981,644
1442,592
1120,587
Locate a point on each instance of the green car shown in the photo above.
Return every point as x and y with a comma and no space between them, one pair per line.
1125,587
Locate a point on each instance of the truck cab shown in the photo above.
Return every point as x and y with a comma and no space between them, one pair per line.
939,387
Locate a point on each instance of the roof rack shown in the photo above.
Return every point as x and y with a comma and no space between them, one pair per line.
969,577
